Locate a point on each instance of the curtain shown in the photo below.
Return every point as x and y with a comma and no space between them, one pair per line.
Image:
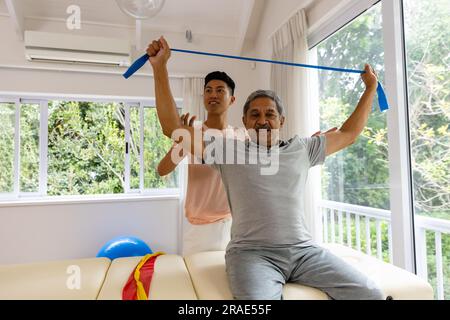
289,43
193,88
193,97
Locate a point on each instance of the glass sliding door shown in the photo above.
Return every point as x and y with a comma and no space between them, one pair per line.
85,148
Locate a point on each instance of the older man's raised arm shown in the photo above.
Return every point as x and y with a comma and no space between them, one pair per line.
355,124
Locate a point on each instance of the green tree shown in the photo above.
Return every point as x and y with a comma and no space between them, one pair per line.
87,149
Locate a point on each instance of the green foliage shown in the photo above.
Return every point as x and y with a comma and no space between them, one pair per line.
156,146
87,149
7,116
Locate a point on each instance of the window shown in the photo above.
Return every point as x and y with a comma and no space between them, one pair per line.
86,151
85,148
155,148
427,34
355,181
359,174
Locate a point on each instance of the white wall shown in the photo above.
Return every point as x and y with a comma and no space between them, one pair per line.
44,232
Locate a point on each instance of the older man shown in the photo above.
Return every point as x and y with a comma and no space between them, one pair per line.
269,242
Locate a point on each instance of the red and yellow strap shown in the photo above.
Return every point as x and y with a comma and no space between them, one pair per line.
138,284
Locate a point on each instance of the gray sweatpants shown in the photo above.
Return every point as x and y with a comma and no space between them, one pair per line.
259,274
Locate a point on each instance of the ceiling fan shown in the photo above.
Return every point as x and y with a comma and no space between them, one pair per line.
140,9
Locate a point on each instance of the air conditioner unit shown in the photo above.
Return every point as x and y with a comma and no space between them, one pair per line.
75,49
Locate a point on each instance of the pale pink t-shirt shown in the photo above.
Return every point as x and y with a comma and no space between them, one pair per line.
206,200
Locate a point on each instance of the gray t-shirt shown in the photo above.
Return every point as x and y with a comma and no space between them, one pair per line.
268,210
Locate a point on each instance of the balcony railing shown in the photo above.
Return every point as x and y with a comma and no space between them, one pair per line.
335,230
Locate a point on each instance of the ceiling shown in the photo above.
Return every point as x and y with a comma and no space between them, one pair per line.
231,18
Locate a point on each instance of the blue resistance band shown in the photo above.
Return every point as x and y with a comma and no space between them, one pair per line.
139,63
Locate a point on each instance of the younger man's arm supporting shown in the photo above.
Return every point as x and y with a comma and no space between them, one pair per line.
168,163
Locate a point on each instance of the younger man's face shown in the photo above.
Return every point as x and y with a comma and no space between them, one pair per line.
217,97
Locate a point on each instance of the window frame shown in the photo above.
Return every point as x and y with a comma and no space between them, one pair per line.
400,168
43,100
337,18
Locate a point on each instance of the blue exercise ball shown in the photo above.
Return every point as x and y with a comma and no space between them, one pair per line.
126,246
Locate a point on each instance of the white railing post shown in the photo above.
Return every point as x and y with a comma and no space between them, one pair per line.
379,244
421,249
325,224
368,238
439,227
333,229
439,272
349,230
358,232
341,228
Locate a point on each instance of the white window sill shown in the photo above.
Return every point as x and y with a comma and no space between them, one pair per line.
62,200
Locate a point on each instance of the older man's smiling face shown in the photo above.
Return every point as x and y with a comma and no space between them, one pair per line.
262,118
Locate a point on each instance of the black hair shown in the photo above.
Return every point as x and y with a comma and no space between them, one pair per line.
219,75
